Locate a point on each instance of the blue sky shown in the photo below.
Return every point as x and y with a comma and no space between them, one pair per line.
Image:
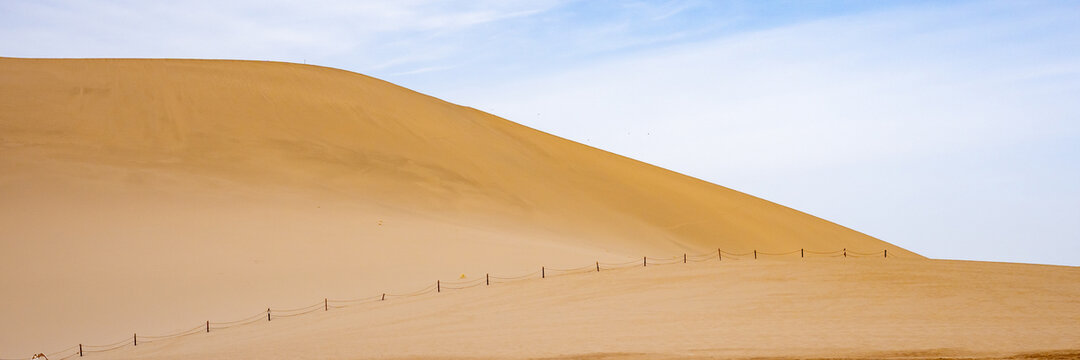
948,128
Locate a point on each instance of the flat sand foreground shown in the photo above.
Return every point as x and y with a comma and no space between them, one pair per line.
812,308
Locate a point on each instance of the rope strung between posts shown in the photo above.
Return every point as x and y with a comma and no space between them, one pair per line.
364,299
581,270
664,261
587,267
519,277
300,313
319,305
707,255
195,330
778,254
227,324
256,318
623,265
424,291
54,354
327,304
824,252
462,283
873,254
113,346
631,262
463,287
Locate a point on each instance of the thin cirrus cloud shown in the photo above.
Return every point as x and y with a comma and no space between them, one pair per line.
888,77
948,130
270,30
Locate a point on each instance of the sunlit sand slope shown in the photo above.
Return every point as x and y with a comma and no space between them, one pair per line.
827,308
138,194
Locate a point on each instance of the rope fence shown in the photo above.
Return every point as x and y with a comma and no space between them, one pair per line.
326,304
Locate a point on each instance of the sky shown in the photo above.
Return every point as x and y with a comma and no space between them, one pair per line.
950,128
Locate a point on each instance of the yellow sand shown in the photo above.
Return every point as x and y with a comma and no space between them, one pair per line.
140,195
828,308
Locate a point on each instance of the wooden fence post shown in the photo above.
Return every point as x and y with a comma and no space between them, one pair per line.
325,304
80,350
487,279
542,273
802,253
718,256
755,254
207,325
383,297
438,285
684,258
267,314
136,339
845,252
598,266
644,261
886,253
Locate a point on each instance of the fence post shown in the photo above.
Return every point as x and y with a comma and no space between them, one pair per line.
136,339
487,279
598,266
542,273
267,314
80,350
438,285
845,252
802,253
684,258
755,254
207,325
325,304
886,253
644,261
383,297
718,256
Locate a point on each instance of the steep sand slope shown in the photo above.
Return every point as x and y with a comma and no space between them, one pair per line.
832,308
139,194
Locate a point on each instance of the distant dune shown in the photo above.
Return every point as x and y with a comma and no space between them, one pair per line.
140,195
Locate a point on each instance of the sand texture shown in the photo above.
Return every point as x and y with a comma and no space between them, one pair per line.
145,195
813,308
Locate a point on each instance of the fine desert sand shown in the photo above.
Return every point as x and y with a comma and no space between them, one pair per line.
151,195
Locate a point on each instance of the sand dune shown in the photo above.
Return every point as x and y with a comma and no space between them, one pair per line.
141,194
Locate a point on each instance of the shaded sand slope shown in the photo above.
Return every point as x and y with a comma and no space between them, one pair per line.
139,194
832,308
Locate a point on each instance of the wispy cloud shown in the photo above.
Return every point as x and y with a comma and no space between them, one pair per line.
669,9
279,30
800,114
422,70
